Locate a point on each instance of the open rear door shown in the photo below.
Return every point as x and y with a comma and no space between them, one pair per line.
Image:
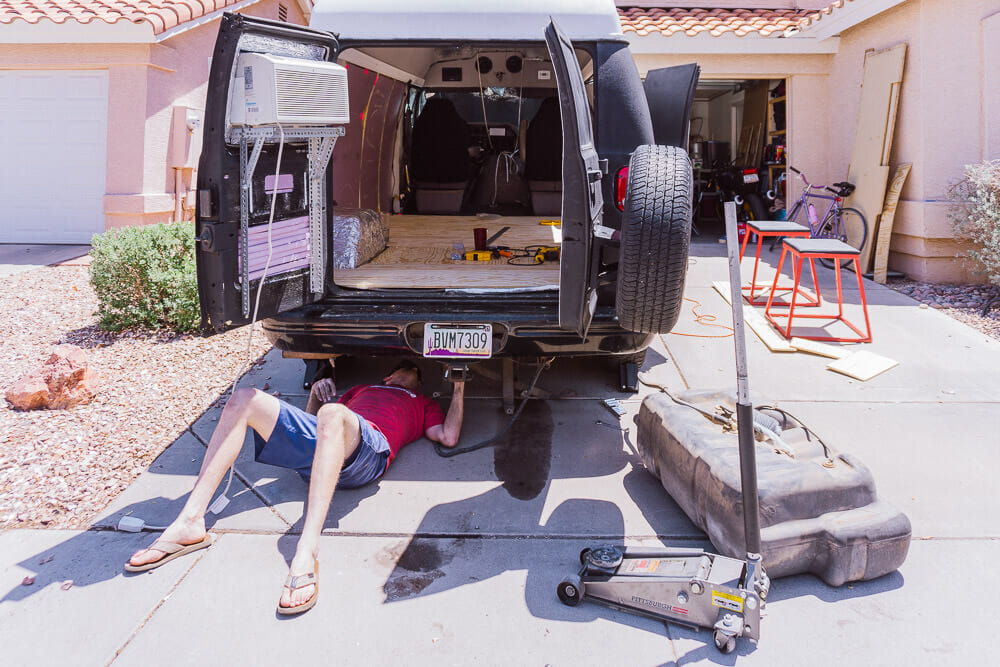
582,201
240,180
669,94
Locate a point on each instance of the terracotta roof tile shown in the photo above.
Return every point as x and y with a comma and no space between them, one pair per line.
717,22
160,14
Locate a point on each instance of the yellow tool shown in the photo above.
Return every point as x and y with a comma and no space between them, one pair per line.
546,253
550,223
478,256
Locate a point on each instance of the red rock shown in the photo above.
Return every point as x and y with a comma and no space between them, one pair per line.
28,393
66,379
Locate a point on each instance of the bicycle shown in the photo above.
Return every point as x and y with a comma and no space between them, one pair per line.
838,222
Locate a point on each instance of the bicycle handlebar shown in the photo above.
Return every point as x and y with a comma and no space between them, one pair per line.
801,176
842,189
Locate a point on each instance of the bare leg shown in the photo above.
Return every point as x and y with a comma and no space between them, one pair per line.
246,407
337,436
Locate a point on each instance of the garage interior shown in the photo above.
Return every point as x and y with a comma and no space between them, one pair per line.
736,123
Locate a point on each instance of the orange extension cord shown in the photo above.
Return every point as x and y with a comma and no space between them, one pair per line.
705,320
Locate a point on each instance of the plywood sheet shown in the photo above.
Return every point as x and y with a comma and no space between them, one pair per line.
862,365
757,323
880,88
419,249
751,143
818,348
884,238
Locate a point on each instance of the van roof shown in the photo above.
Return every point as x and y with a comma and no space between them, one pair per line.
466,20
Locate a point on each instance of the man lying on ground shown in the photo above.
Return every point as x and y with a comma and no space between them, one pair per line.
346,444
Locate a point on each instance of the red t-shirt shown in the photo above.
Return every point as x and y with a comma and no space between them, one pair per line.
400,414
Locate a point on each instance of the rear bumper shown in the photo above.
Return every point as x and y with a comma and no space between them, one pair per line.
524,327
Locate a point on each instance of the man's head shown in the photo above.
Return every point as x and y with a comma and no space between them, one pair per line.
406,374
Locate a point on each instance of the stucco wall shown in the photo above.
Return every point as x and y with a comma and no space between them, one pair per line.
944,120
949,113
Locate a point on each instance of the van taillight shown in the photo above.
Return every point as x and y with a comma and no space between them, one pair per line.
621,188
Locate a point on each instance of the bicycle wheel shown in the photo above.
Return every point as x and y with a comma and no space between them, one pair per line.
848,225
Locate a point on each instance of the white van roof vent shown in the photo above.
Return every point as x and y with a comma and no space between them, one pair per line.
289,91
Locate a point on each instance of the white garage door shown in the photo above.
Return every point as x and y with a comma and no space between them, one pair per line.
53,147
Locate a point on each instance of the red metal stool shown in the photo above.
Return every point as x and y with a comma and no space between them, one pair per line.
813,249
769,229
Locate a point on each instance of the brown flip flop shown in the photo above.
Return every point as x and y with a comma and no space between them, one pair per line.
171,550
301,581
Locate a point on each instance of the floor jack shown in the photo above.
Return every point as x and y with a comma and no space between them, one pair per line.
690,586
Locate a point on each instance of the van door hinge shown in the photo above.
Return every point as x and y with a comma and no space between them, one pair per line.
603,163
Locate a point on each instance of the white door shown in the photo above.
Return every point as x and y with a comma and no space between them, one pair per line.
53,147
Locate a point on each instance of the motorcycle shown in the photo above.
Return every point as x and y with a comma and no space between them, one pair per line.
742,186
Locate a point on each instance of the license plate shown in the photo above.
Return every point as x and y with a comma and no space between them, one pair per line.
751,178
466,341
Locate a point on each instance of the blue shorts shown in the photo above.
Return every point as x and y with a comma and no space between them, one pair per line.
293,444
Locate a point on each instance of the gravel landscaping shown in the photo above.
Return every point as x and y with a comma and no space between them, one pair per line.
962,302
60,468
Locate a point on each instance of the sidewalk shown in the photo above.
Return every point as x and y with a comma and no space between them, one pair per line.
456,561
15,257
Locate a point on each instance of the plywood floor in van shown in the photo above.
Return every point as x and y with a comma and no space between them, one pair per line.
418,254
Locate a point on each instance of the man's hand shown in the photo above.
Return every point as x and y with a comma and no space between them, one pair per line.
323,391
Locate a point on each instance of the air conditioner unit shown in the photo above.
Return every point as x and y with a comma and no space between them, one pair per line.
270,89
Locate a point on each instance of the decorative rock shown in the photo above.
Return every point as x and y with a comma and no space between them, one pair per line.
65,380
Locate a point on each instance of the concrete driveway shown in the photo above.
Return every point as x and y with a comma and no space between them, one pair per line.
456,561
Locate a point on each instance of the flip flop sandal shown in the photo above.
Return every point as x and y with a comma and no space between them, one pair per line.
171,550
301,581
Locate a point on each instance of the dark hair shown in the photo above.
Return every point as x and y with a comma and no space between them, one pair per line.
409,365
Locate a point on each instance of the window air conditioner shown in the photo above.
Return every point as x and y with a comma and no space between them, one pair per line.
270,89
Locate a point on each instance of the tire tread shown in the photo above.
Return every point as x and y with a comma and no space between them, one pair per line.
655,239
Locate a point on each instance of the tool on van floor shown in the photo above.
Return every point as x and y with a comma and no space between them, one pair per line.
478,256
546,253
550,223
690,586
530,255
490,240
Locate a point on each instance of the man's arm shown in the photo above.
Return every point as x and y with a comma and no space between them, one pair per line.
448,432
322,392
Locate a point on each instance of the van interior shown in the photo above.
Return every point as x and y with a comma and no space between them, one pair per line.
444,141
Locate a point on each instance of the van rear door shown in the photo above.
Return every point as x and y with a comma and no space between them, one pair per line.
582,200
262,246
669,95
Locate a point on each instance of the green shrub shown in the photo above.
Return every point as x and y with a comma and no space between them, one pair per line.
145,278
976,214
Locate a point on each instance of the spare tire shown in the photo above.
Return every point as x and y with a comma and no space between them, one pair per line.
655,237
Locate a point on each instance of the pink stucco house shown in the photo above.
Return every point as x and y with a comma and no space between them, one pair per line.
101,101
949,106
